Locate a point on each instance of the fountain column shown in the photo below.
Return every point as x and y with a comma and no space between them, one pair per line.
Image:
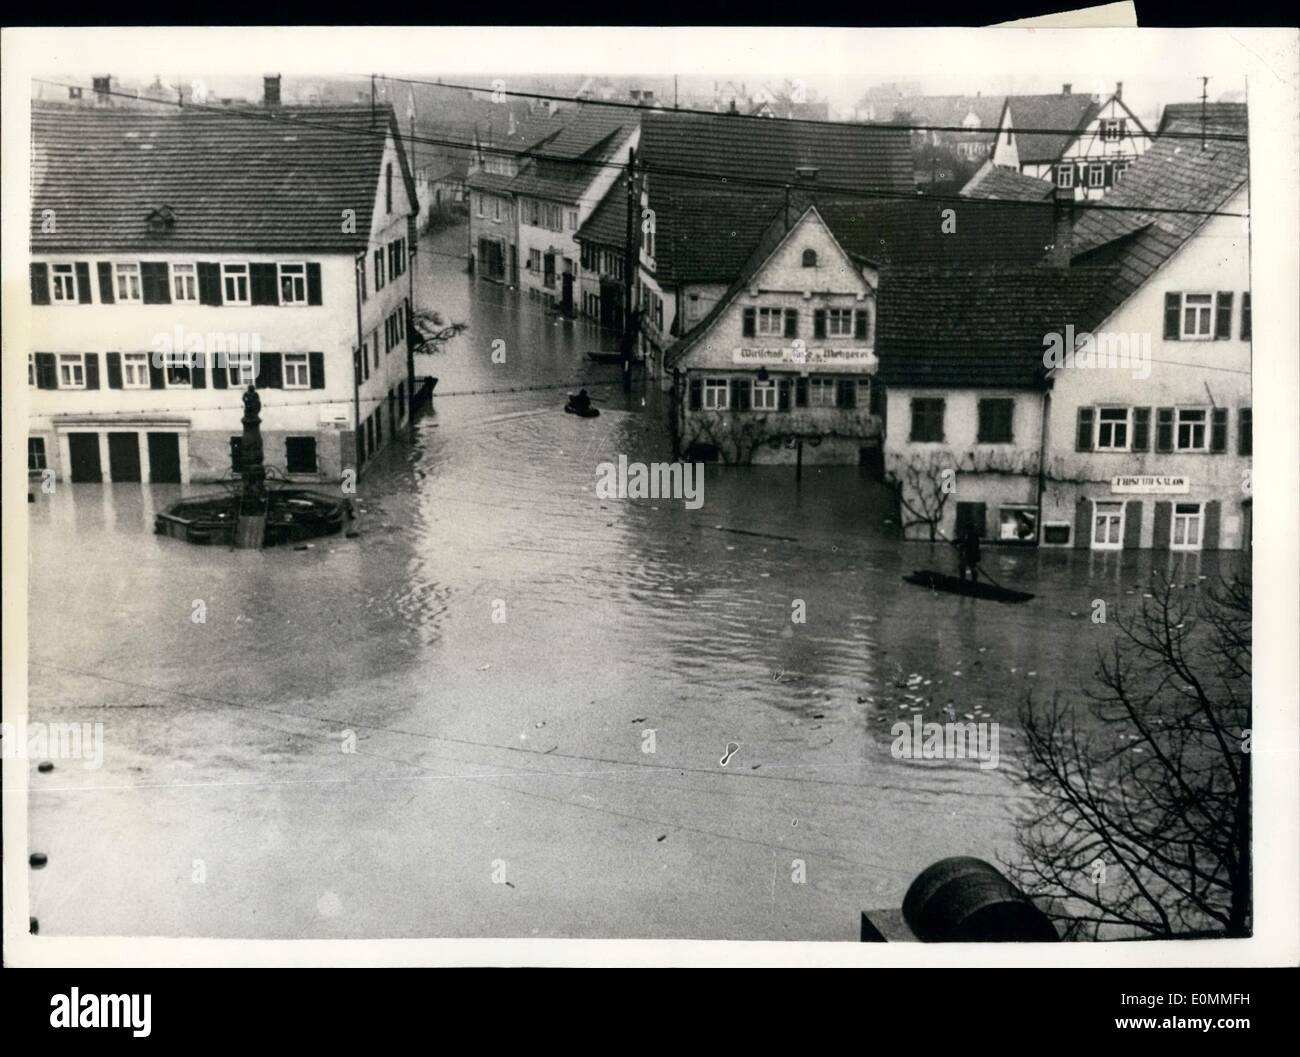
250,530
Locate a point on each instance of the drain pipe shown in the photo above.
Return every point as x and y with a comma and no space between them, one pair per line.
1042,455
356,365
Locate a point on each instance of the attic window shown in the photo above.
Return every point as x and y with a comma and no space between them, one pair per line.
161,221
810,258
806,172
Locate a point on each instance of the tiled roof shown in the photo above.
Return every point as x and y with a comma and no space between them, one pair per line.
1217,115
1063,114
951,110
726,147
238,179
918,231
997,181
608,221
980,327
1175,174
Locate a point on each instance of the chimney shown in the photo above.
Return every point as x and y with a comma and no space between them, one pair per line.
1065,89
271,90
1062,228
1119,89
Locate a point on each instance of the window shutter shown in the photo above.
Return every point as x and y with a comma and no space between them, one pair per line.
1210,530
860,323
83,283
40,284
747,323
1141,429
819,323
1219,430
801,392
783,395
271,375
47,374
156,379
105,269
1083,434
1245,316
1173,307
114,370
740,393
263,284
209,283
220,373
316,362
791,322
1109,178
1244,439
199,371
313,284
1161,526
361,275
1082,523
697,393
1164,429
846,393
92,370
1133,524
153,283
1223,315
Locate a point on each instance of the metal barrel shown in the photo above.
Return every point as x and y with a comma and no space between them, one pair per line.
965,900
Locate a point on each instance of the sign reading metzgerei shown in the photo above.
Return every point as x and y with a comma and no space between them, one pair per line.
824,357
1148,484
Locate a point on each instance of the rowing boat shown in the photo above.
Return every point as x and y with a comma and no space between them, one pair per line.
957,586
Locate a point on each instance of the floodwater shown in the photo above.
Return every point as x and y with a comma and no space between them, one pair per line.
503,710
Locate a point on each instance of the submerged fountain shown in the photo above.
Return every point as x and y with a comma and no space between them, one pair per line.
260,507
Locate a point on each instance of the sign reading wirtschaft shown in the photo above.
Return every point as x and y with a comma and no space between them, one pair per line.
1149,484
824,357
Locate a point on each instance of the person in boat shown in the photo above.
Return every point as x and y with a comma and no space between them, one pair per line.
580,403
968,552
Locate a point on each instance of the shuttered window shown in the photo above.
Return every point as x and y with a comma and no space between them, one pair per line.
1164,429
995,421
1245,443
1083,430
1245,316
155,282
1141,429
40,284
1219,429
927,420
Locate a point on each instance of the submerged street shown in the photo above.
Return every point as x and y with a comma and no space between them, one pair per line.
440,728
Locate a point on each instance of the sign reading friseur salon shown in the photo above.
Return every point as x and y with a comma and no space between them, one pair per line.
862,359
1149,484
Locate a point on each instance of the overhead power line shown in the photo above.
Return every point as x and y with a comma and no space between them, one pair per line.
283,117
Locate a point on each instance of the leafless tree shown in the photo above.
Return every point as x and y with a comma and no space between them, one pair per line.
1139,821
923,484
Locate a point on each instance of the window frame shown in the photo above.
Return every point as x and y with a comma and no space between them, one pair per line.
720,391
1120,513
1065,176
1127,423
823,385
770,390
774,317
1204,424
231,270
1010,437
180,279
135,365
315,450
293,276
290,363
41,454
1187,519
1210,304
177,360
912,435
1019,508
128,270
839,315
239,370
57,277
1096,175
1112,130
77,361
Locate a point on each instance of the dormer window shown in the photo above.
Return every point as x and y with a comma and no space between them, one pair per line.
161,221
810,258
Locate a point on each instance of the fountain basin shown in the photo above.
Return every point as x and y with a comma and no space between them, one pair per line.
292,514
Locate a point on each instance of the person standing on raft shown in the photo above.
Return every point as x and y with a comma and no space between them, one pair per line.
968,552
581,403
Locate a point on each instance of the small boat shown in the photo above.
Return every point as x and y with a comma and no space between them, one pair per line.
957,586
605,357
588,412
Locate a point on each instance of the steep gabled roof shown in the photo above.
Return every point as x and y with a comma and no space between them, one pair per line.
607,224
1217,115
1174,174
242,179
1008,185
1059,117
977,327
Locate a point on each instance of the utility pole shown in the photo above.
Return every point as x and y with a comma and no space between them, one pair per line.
1205,98
631,263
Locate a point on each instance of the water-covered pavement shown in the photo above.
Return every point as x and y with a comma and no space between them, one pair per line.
351,745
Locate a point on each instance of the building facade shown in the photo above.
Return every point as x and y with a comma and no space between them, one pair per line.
151,316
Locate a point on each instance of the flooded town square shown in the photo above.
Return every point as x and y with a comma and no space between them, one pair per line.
512,707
